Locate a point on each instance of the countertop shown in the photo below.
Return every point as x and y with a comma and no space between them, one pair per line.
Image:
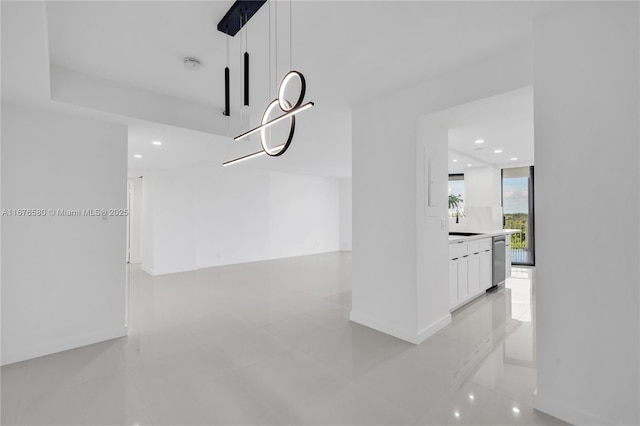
459,238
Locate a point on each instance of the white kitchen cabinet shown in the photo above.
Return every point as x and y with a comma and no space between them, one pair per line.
486,269
473,273
463,278
470,270
473,247
453,283
457,249
458,281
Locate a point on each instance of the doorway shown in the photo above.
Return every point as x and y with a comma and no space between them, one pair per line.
519,212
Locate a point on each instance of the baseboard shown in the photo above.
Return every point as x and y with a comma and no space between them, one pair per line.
434,328
146,269
262,259
556,408
406,335
157,271
24,354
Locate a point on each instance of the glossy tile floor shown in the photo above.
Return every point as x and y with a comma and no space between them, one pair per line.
271,343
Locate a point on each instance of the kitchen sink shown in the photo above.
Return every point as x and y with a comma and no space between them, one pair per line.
465,234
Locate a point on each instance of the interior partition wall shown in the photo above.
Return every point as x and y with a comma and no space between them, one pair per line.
519,212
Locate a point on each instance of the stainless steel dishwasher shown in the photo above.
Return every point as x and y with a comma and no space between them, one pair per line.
499,271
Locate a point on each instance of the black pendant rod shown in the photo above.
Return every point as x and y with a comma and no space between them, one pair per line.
226,92
246,79
246,63
236,18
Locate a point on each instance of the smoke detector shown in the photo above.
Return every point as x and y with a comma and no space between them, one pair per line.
192,64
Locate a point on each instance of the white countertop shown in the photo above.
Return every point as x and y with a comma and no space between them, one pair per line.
460,238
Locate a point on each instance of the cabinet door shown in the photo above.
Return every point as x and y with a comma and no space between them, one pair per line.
486,269
463,278
473,273
507,260
453,282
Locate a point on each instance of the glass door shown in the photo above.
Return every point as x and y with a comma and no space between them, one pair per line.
518,211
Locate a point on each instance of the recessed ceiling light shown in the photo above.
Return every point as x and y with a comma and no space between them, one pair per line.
455,160
469,165
497,151
471,397
137,156
156,143
456,413
516,410
513,158
479,141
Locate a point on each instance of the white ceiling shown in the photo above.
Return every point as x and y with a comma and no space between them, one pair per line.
180,147
503,122
355,50
184,148
350,51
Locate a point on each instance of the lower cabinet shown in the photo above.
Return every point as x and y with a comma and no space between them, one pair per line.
486,269
473,273
458,280
470,271
453,282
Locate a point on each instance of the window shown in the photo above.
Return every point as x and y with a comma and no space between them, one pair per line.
517,205
456,194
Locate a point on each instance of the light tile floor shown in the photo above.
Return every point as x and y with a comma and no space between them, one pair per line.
271,343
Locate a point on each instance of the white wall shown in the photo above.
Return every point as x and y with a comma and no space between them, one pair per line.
482,201
586,150
388,259
384,219
63,278
346,211
246,215
482,186
432,261
147,225
135,212
169,221
210,216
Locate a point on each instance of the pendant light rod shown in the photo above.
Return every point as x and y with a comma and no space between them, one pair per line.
233,22
226,93
246,78
246,63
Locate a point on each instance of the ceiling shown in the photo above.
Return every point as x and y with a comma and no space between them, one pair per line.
178,147
504,123
350,51
184,148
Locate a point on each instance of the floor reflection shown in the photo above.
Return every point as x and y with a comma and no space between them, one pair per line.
271,343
